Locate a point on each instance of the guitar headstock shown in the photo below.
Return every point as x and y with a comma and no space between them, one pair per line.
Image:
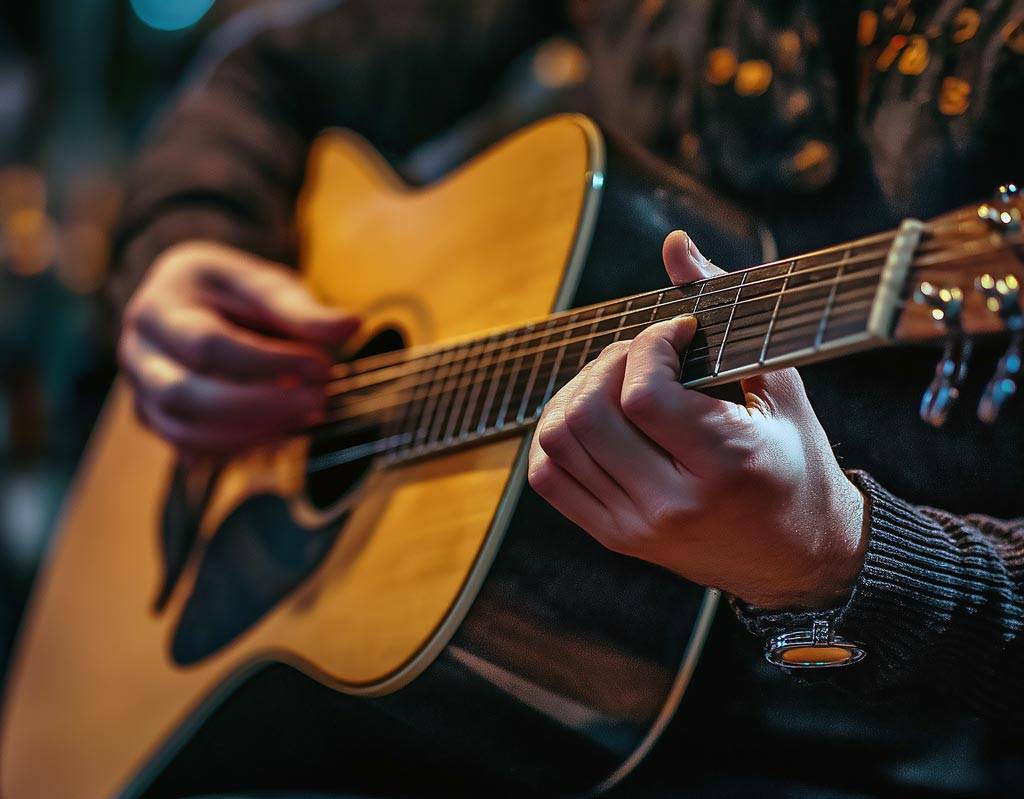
966,278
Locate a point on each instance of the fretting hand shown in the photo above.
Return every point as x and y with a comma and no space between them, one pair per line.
225,349
747,498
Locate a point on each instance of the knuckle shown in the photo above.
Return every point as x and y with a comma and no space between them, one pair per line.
175,397
206,350
555,438
615,350
746,466
542,476
641,401
667,515
584,416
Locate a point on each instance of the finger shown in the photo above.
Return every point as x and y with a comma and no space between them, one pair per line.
194,439
564,493
166,386
595,419
268,297
556,441
207,343
704,434
683,261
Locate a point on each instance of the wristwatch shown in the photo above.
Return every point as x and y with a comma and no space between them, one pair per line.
814,647
800,640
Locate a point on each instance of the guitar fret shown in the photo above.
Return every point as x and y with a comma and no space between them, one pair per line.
819,337
441,401
513,375
527,391
728,324
557,367
466,377
591,335
416,407
655,308
622,321
491,345
495,382
693,312
775,313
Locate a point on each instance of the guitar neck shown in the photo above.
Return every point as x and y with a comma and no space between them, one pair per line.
785,313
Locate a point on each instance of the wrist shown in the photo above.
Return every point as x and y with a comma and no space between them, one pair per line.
845,543
829,568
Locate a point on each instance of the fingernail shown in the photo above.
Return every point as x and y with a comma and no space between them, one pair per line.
691,248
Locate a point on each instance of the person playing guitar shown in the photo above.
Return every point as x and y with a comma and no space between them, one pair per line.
803,112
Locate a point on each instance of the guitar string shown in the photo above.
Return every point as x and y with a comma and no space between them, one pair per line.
478,348
372,365
384,359
374,362
355,423
472,377
398,443
506,346
371,420
401,440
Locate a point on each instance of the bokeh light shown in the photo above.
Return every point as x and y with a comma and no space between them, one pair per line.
171,15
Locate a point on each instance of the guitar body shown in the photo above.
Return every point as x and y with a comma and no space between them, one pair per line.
438,602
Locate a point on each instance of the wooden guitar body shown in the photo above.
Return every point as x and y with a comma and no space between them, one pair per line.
439,601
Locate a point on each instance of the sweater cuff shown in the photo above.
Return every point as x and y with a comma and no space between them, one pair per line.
904,596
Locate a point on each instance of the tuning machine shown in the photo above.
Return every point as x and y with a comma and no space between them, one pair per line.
947,308
1002,213
1002,297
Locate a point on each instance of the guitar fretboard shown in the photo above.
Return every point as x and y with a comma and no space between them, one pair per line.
786,312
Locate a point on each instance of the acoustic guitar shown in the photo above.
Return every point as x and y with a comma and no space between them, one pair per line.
387,579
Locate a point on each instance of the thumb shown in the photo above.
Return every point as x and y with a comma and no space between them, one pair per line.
683,261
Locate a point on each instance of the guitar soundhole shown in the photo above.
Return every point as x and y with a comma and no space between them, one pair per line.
340,454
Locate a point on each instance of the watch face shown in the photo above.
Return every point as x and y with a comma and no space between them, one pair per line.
802,651
807,656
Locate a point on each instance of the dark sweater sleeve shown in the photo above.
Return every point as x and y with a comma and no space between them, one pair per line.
227,159
939,606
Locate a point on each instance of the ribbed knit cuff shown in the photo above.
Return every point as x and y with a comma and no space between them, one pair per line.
904,597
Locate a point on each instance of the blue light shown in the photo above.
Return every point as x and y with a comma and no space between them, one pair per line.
171,15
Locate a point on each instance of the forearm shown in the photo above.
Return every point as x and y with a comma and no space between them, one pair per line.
939,606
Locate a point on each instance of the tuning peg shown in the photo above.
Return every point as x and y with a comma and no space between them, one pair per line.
1002,213
943,391
1003,384
1002,296
1007,192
